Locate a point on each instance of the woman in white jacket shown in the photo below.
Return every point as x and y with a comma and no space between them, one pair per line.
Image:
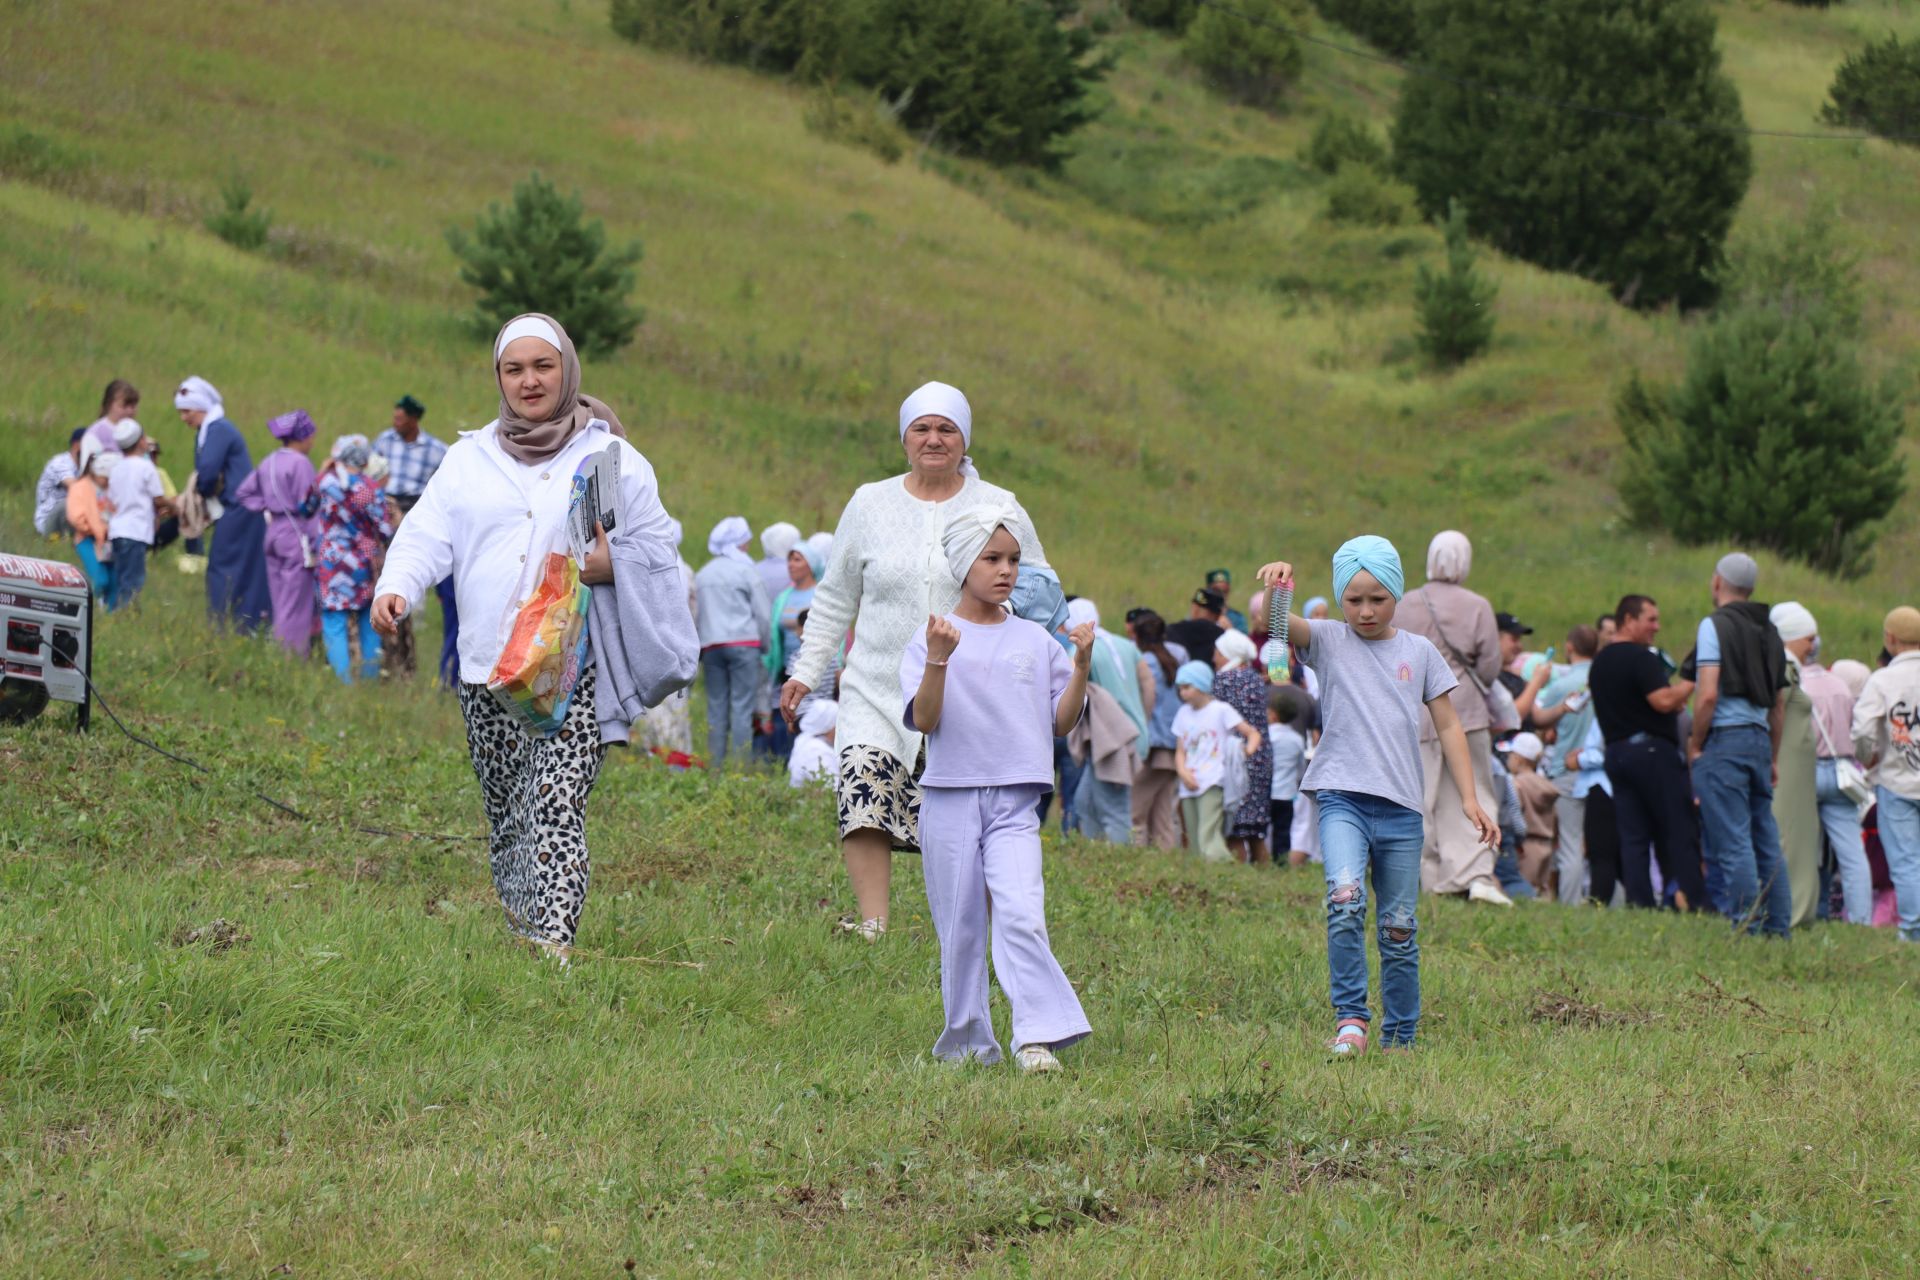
499,499
886,575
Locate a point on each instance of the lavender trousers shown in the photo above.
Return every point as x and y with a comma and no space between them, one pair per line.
980,853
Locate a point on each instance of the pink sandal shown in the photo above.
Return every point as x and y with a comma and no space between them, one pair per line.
1349,1038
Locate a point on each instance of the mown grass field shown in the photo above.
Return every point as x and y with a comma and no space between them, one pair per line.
1177,363
371,1082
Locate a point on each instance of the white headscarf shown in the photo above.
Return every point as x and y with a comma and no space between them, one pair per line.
1449,557
1080,610
1237,648
676,532
940,400
821,542
728,537
968,533
198,394
777,540
1793,620
821,716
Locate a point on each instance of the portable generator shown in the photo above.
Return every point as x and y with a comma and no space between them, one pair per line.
46,608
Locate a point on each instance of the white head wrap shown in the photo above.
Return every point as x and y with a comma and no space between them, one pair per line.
821,715
937,399
1449,557
676,532
104,464
968,533
90,451
526,327
777,539
197,393
1793,621
1853,673
728,537
1082,610
1237,648
1528,747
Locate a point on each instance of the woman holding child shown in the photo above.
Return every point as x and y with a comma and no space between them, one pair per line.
885,575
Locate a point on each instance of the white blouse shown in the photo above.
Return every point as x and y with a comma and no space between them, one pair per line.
485,514
886,574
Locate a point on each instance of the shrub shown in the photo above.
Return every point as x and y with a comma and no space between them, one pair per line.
1878,89
1249,53
236,220
541,254
1361,197
1774,437
1339,138
1455,306
1643,209
1386,24
858,120
1168,15
1000,79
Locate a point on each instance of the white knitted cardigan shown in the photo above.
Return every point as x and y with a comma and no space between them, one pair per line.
887,573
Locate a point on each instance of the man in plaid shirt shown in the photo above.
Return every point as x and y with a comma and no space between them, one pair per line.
412,457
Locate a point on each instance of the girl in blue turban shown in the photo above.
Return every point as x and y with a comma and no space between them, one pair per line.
1368,782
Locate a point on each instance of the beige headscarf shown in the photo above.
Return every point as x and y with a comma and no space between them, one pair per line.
538,441
1449,557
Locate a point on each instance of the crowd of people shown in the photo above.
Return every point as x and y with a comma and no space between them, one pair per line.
1414,742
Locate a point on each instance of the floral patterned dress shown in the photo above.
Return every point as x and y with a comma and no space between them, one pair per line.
1245,690
355,526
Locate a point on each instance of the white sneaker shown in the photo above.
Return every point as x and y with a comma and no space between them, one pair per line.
1489,892
866,930
1035,1058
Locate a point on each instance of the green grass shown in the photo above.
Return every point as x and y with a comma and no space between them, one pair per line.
375,1082
1177,362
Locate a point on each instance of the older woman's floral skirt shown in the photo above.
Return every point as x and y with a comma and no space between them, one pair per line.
878,793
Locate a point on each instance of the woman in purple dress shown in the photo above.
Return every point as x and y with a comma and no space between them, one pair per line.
281,489
355,527
1243,686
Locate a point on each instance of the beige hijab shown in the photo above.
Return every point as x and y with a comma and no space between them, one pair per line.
538,441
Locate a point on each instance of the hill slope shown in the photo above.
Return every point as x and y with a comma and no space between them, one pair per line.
1166,392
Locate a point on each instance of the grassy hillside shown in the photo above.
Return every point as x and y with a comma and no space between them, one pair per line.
1167,387
368,1081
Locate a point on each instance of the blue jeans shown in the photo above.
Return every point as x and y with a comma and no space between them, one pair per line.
1069,787
129,571
1840,818
733,680
450,634
1359,834
1900,839
334,624
1506,869
1105,809
1733,779
99,573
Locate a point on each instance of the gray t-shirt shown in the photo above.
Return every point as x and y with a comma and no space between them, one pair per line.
1372,693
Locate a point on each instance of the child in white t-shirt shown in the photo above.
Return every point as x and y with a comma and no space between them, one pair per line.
1203,732
811,760
992,691
1369,784
1289,761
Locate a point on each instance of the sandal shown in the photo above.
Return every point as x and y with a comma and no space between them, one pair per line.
1349,1038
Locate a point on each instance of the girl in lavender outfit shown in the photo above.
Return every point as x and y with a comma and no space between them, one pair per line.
991,692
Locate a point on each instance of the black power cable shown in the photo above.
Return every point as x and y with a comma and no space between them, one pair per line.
197,767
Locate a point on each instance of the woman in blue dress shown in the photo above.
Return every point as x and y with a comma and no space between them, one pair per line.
237,588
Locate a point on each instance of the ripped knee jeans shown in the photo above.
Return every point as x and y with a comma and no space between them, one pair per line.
1370,848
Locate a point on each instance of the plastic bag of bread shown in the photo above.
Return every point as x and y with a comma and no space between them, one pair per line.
545,642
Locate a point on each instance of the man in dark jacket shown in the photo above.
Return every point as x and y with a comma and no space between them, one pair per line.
1738,702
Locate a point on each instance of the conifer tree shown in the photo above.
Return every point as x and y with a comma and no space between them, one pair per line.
1455,306
542,254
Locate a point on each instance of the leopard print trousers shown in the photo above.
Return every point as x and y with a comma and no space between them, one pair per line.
535,792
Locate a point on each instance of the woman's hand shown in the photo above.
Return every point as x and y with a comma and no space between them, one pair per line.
1489,834
790,695
1277,574
1082,637
942,639
1187,779
387,612
598,570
